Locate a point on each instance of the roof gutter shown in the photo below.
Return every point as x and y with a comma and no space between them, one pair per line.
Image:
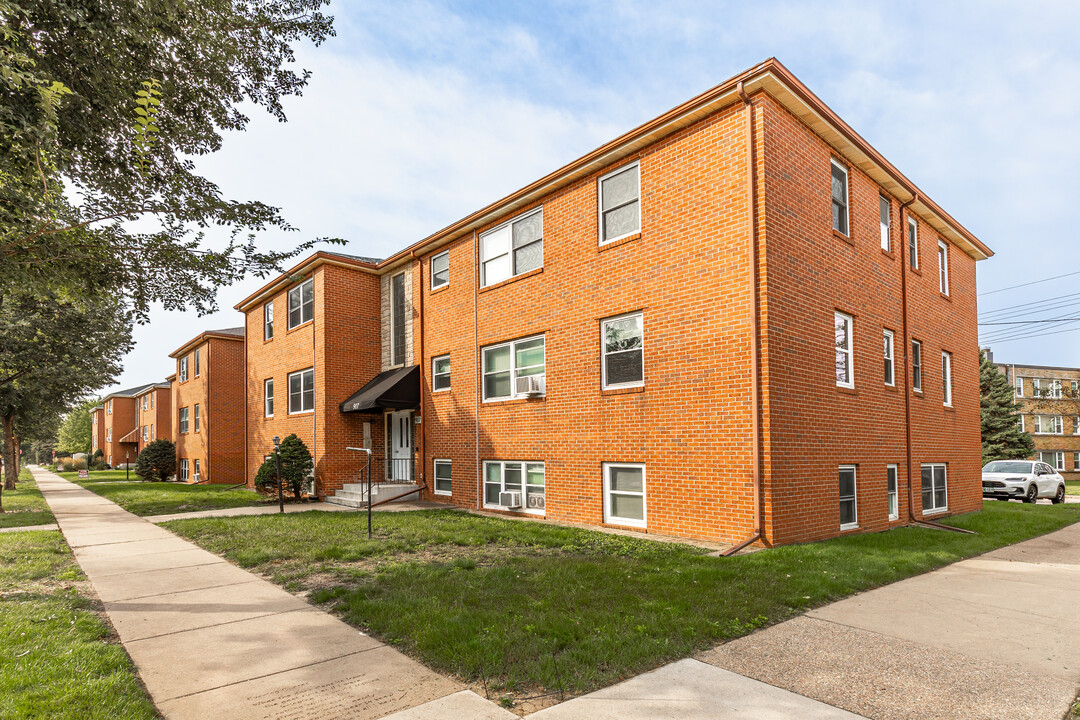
755,373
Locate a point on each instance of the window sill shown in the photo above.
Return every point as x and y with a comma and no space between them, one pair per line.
944,296
849,526
299,327
890,387
917,271
938,511
440,390
514,400
618,241
267,340
441,288
442,493
302,412
917,392
629,390
948,408
507,281
846,390
624,524
888,253
515,511
841,236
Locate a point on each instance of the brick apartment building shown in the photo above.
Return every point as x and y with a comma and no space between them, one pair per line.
153,415
207,418
1050,411
118,428
735,322
97,428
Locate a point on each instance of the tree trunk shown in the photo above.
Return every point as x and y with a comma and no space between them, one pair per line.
11,467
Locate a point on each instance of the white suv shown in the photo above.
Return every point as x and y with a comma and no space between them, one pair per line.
1022,479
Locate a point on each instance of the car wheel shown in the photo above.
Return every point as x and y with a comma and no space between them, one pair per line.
1032,493
1059,496
1004,498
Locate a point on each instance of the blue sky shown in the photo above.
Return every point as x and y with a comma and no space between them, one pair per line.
421,112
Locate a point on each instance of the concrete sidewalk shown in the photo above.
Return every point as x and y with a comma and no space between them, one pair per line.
211,640
991,637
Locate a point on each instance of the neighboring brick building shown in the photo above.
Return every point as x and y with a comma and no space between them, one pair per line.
1050,400
97,429
207,418
153,414
642,338
119,433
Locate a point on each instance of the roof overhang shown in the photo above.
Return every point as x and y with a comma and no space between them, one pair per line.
297,272
131,437
200,339
397,389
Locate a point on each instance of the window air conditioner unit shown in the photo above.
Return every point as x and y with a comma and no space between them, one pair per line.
536,502
530,385
510,499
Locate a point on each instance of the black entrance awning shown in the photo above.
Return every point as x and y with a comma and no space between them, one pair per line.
392,390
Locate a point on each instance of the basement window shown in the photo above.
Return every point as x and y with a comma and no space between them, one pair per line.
849,511
934,493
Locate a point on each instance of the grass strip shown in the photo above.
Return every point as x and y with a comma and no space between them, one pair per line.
164,498
24,506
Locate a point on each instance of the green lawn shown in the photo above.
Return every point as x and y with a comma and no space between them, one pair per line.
1072,487
58,658
97,476
164,498
24,505
529,608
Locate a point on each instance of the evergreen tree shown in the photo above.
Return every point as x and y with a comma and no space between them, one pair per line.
296,467
157,461
1002,437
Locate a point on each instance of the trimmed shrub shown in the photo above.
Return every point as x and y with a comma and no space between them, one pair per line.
296,467
157,461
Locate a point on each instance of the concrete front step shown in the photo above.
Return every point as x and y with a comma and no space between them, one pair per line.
354,495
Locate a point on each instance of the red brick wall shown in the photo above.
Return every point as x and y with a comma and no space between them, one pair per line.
192,445
121,421
219,443
809,273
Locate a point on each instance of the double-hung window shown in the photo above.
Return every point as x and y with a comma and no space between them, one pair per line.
1076,427
1055,389
183,470
146,402
1019,386
891,484
913,243
1075,389
886,239
839,198
268,397
513,248
890,358
845,370
440,270
196,417
943,267
183,372
195,477
1036,424
624,494
916,366
1036,387
934,494
443,484
183,420
1076,461
505,364
302,391
849,511
526,478
440,373
946,378
196,355
268,320
1056,424
398,311
302,303
623,351
620,203
146,433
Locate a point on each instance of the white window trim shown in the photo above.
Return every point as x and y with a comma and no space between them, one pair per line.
446,356
183,418
197,418
524,482
182,471
850,349
946,379
196,468
943,268
431,269
604,354
855,475
513,370
182,372
299,289
1036,387
268,397
268,321
945,507
891,380
916,386
509,248
615,520
288,392
913,243
395,361
896,475
847,197
435,476
600,203
195,360
886,238
1019,386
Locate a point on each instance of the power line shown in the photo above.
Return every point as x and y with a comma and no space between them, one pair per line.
1055,332
1026,322
1017,333
1033,305
1033,282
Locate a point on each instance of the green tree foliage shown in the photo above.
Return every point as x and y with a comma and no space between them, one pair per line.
296,467
1002,438
76,429
157,461
53,350
103,107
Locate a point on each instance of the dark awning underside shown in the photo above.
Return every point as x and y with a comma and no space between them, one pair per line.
392,390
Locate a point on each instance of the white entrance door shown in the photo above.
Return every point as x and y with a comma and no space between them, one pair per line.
400,456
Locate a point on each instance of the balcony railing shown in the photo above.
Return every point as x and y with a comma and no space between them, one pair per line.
399,470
